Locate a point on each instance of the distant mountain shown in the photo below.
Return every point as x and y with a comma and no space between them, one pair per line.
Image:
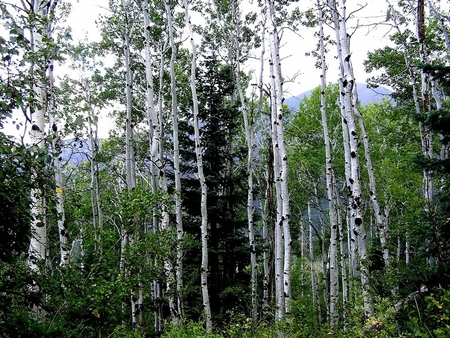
366,95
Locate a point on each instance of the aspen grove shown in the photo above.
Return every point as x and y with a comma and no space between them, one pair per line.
163,180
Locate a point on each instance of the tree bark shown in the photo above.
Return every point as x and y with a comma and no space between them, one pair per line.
334,271
280,164
178,312
201,177
354,183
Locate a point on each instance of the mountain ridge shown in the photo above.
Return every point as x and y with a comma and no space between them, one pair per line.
366,95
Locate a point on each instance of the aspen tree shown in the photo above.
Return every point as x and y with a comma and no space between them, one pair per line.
153,139
130,162
283,257
347,82
178,312
201,177
56,145
343,266
42,15
380,215
314,281
96,201
334,271
38,243
421,102
426,136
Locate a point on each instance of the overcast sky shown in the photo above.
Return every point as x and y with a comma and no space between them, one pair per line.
294,46
366,38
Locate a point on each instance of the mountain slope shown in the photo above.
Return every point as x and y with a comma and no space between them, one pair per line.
366,95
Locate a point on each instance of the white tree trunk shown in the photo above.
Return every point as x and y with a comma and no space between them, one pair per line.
56,147
281,168
154,138
334,271
61,220
130,164
177,313
342,262
96,202
354,183
427,141
314,281
201,177
38,243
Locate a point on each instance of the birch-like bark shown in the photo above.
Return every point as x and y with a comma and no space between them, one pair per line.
421,105
380,216
201,177
96,202
281,169
344,284
354,184
56,147
157,156
334,271
38,243
177,313
130,164
352,242
278,232
314,281
266,271
61,219
427,141
265,214
154,137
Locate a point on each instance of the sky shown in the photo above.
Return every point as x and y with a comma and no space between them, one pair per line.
365,38
294,45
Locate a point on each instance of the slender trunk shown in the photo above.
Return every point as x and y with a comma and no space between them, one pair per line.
38,243
342,263
272,213
380,217
154,137
176,162
129,237
426,135
266,255
407,250
97,210
41,22
281,168
354,184
278,233
201,177
352,242
314,281
266,209
57,147
334,271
